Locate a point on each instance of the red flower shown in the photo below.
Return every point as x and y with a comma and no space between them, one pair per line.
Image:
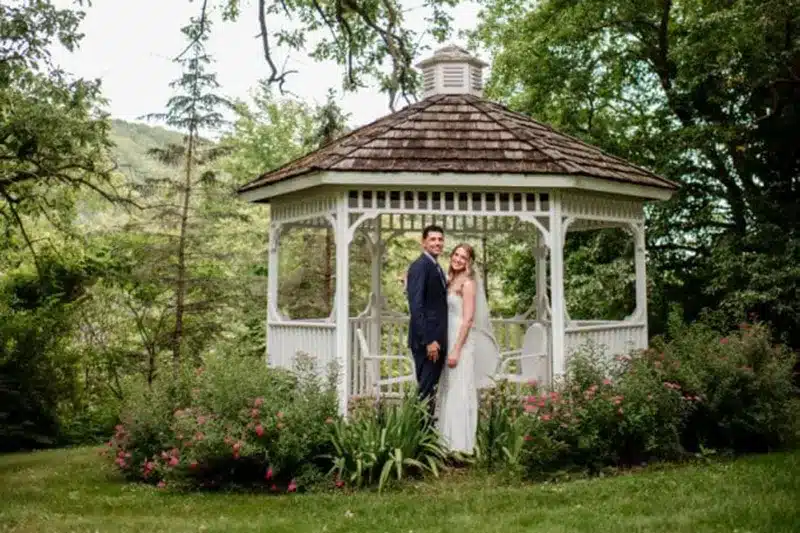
268,475
259,430
724,340
339,483
292,486
274,488
193,465
528,438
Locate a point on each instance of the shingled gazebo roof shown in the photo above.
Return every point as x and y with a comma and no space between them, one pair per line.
462,133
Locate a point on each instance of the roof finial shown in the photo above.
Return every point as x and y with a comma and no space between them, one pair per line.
452,70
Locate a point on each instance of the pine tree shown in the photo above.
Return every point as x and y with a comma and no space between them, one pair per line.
195,107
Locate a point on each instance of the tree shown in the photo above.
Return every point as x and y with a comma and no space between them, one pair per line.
53,133
194,108
702,92
360,35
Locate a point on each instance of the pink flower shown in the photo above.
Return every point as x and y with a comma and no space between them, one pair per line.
339,483
259,430
292,486
530,408
724,340
268,475
173,461
254,413
201,420
199,436
258,402
161,485
617,399
545,418
531,399
237,446
274,488
532,382
606,381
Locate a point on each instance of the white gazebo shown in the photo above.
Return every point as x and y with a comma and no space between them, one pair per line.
472,166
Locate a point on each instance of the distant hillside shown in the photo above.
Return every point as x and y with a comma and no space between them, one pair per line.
133,140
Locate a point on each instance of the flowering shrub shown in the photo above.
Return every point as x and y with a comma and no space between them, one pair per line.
741,385
236,422
697,390
382,440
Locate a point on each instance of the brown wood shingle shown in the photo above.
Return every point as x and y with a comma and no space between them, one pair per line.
462,134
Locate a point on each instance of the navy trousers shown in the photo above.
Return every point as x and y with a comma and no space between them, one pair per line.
428,373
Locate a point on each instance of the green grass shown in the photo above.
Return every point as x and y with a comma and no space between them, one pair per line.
74,490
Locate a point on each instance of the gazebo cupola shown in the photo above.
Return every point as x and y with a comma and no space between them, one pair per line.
472,166
452,70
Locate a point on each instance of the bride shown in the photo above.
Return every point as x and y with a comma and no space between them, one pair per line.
472,353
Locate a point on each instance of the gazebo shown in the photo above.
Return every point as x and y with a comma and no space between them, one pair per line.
470,165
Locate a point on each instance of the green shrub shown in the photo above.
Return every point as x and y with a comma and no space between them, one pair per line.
694,392
742,385
382,440
236,422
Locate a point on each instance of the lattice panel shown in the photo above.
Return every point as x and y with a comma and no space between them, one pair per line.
464,224
443,202
298,208
600,207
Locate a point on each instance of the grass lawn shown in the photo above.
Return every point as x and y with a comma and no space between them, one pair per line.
74,490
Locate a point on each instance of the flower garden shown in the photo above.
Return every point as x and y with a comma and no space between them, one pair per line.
237,424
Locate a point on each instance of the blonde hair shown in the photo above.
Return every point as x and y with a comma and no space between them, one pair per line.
468,270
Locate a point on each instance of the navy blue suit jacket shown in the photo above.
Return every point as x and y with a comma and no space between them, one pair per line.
427,305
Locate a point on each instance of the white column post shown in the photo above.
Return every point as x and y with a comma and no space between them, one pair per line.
341,301
540,255
557,285
272,292
375,284
640,261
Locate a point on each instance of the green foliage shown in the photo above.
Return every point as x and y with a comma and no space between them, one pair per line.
698,91
233,422
693,393
360,36
382,441
53,135
38,371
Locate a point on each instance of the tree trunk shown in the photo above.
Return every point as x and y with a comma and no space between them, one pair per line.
180,281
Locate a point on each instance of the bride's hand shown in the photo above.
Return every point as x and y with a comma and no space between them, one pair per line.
452,359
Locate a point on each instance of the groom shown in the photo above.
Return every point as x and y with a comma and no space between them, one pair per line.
427,303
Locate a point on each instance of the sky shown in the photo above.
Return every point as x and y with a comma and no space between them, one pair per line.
130,45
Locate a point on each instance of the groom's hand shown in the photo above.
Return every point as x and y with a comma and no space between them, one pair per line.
433,351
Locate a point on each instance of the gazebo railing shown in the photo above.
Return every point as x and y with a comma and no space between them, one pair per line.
317,338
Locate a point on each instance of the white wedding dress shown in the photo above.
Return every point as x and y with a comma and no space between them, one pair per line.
458,394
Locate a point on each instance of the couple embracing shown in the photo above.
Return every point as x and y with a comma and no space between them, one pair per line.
450,337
